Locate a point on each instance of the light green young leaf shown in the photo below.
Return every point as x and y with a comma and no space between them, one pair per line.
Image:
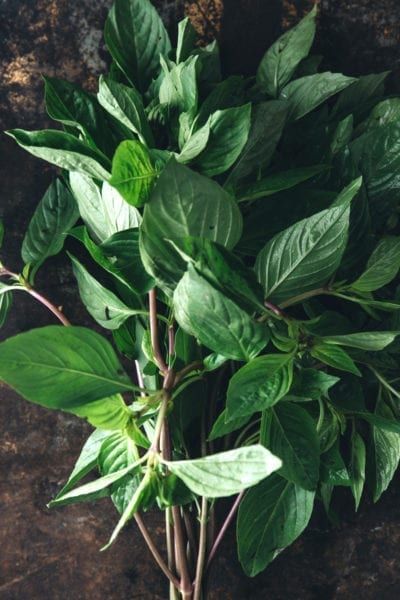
291,435
195,144
63,150
125,104
259,385
271,516
229,131
386,452
133,173
104,306
54,216
62,367
370,341
136,37
226,473
304,256
219,323
104,212
109,413
305,94
335,357
186,40
178,91
281,60
383,266
357,467
184,203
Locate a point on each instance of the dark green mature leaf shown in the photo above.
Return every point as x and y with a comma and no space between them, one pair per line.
125,104
133,173
305,94
259,385
215,320
267,123
62,367
360,96
229,131
55,214
276,182
304,256
228,93
271,516
195,144
291,435
184,203
383,113
311,384
335,357
283,57
68,104
382,266
386,452
226,473
367,340
357,467
136,37
222,427
187,37
333,469
104,306
104,211
5,302
63,150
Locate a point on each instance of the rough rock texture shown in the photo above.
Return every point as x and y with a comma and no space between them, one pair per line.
54,554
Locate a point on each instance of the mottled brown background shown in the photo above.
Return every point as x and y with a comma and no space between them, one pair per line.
54,554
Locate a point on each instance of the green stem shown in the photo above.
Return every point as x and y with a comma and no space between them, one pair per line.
305,296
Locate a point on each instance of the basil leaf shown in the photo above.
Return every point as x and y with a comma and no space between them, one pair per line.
312,384
5,302
104,212
271,516
136,37
228,93
226,473
55,214
357,467
305,94
229,131
195,144
104,306
386,452
62,367
333,470
259,385
335,357
107,413
304,256
283,57
382,266
187,37
63,150
215,320
360,96
367,340
132,172
178,90
125,104
184,203
222,426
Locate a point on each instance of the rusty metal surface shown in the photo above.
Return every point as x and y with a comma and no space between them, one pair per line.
55,554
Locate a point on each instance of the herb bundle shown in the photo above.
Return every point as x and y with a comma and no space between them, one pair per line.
239,240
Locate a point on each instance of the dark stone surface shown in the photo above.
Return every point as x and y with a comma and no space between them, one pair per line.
54,554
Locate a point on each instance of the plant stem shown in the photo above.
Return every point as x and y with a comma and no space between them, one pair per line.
194,366
224,528
305,296
154,550
202,550
52,308
155,342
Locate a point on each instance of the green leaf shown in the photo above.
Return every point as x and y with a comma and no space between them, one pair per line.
68,104
348,193
283,57
259,385
304,256
226,473
87,460
5,302
335,357
54,216
271,516
125,104
62,367
63,150
107,413
222,427
292,436
178,90
357,467
104,212
367,340
104,306
267,123
195,144
305,94
387,111
360,96
136,37
383,266
229,131
184,203
312,384
187,37
386,452
133,174
333,469
226,94
215,320
276,182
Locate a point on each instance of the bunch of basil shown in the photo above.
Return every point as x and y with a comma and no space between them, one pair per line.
245,239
